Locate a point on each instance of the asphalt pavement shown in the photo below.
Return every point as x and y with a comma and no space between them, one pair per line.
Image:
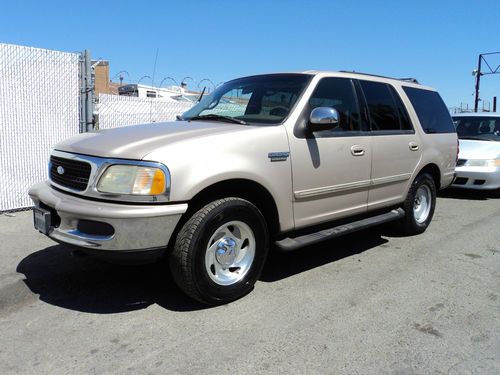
373,302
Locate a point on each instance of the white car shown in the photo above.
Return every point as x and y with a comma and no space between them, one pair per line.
478,165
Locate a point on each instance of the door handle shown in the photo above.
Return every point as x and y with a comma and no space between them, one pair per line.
413,146
357,150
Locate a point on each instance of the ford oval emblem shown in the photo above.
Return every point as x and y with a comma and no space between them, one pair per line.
60,170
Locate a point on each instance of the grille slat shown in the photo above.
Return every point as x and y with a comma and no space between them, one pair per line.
76,173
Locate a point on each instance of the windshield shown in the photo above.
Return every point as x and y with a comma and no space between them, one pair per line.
480,127
265,99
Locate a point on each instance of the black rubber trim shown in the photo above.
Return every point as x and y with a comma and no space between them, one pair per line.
289,244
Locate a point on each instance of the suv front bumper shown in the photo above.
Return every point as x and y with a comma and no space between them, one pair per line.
135,228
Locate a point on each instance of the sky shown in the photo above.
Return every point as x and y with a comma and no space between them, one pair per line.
437,42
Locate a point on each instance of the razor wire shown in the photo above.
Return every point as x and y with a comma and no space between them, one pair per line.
114,111
39,92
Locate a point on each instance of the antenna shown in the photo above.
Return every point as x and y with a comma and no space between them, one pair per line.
154,68
153,85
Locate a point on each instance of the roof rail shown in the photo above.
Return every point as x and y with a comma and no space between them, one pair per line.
412,80
409,79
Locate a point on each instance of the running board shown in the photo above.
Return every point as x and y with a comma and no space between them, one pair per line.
288,244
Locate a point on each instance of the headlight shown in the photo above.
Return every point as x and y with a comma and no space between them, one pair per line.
131,179
482,163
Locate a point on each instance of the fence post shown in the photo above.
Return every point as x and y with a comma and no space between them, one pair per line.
86,94
90,93
83,94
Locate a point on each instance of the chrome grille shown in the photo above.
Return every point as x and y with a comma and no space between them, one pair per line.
75,173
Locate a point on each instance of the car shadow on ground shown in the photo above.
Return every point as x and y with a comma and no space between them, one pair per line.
281,265
67,279
469,194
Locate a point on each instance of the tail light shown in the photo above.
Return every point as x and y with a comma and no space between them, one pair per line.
458,150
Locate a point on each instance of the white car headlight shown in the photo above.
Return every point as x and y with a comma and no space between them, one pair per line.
482,163
132,179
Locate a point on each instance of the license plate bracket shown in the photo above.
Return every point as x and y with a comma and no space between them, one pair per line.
42,220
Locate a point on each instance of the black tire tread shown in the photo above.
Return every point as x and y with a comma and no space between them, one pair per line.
180,261
407,225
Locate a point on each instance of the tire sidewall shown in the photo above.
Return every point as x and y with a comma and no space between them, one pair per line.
229,211
424,179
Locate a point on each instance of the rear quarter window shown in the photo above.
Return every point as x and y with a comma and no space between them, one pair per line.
431,110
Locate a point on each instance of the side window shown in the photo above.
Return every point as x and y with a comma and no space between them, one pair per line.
337,93
384,115
431,110
404,118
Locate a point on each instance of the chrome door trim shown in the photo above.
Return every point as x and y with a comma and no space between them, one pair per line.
390,179
304,194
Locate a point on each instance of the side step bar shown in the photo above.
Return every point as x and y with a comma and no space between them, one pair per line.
288,244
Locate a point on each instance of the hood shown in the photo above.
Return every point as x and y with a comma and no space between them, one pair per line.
135,142
472,149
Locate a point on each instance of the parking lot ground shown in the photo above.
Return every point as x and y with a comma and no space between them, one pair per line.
369,303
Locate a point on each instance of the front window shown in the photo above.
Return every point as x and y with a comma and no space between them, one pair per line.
478,127
265,99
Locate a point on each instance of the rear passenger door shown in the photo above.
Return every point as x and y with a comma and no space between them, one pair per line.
396,148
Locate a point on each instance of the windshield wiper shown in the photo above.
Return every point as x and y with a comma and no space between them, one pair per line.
218,117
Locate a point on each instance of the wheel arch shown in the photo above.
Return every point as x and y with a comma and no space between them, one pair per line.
240,188
434,171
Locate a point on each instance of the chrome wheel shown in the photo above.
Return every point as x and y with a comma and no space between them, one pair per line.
230,253
422,204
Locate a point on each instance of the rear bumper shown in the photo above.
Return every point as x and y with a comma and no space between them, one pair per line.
135,227
481,178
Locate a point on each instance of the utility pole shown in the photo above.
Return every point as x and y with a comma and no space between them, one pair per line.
478,78
478,73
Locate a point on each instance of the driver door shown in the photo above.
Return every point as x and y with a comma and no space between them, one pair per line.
331,168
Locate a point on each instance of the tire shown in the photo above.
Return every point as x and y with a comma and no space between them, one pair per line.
220,251
419,205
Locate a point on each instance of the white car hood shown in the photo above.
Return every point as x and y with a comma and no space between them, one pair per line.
472,149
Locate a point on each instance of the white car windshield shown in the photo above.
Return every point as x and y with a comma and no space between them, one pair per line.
480,127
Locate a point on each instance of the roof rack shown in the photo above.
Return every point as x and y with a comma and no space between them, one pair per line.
412,80
409,79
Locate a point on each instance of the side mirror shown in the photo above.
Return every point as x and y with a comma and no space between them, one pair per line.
323,118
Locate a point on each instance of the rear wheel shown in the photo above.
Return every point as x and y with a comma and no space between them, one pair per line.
220,251
419,205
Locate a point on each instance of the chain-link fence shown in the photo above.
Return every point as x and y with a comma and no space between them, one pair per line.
114,111
39,91
46,97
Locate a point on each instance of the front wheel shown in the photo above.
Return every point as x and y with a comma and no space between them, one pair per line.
419,205
220,251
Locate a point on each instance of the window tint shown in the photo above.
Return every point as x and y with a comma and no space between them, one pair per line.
337,93
404,119
431,110
381,106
